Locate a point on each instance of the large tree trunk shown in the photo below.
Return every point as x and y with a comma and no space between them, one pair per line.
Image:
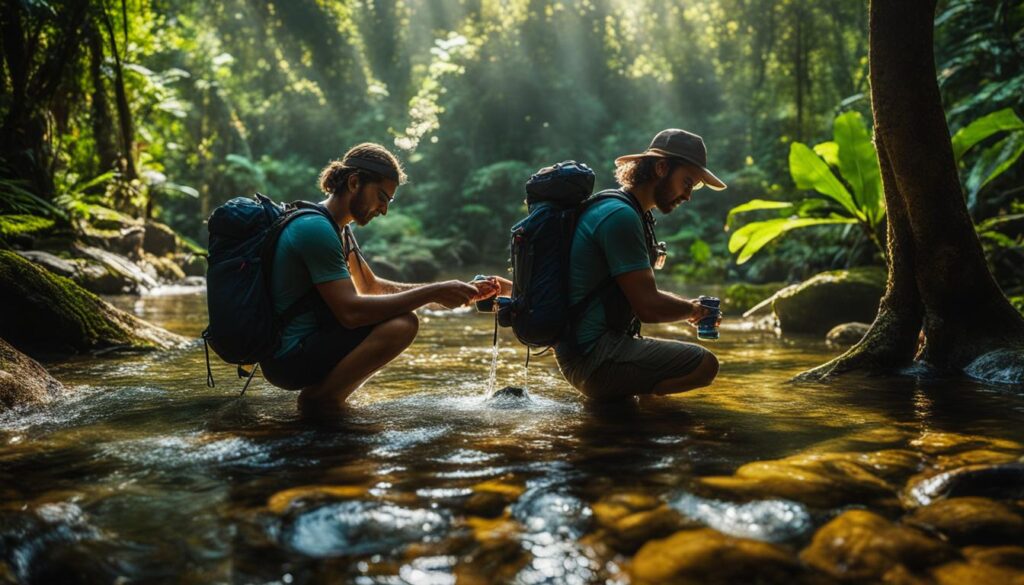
937,271
102,119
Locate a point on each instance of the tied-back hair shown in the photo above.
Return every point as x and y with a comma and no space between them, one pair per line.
641,170
334,176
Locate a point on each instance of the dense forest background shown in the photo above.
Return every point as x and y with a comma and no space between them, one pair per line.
167,108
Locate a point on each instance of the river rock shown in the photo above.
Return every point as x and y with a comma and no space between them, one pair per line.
828,299
628,520
1001,482
707,556
862,546
134,278
162,268
1011,556
847,334
970,520
52,262
1001,366
23,380
45,314
159,239
971,573
821,479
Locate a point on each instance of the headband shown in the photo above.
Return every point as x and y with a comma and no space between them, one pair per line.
374,166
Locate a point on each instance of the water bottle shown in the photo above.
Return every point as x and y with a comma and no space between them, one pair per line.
707,328
484,305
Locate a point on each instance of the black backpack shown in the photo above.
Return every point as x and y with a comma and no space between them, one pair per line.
244,232
539,312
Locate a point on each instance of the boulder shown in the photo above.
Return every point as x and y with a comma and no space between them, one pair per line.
741,297
386,269
24,230
1004,482
23,380
970,520
45,314
131,277
828,299
162,268
847,334
159,239
821,479
114,231
52,262
191,264
708,556
862,546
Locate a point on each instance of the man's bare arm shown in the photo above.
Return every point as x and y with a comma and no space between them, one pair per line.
368,283
353,309
655,306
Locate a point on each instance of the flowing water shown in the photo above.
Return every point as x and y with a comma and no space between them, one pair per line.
144,474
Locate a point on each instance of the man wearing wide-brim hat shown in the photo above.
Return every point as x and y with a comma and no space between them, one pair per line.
611,279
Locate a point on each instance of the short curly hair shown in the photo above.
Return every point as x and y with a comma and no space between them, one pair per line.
334,176
641,170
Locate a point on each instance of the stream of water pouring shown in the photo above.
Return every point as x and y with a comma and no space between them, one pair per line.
492,378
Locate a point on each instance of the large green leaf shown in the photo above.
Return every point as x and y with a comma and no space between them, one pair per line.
828,151
810,172
982,128
754,236
994,161
755,205
858,163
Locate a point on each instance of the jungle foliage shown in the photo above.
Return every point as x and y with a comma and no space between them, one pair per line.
166,108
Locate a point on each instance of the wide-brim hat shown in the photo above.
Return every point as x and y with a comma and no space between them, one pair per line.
676,143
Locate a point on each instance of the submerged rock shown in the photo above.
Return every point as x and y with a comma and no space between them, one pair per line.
23,380
513,392
859,546
707,556
829,299
970,520
628,520
847,334
45,314
973,573
766,520
821,479
1002,482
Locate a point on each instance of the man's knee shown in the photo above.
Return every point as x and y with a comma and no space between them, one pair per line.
402,329
707,370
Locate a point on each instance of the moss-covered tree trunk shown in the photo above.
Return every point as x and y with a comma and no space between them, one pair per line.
938,277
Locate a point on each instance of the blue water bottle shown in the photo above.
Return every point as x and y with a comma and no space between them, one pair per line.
707,328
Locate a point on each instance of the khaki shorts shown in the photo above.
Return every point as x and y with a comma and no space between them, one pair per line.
620,366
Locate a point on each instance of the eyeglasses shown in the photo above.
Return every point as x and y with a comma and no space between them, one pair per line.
384,198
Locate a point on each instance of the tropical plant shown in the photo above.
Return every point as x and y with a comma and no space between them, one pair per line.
854,197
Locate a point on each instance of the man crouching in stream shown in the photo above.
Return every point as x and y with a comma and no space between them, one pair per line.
357,322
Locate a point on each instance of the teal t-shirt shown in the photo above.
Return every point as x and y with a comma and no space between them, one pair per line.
609,241
308,253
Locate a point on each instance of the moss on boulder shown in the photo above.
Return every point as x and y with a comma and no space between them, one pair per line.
828,299
24,225
45,314
741,297
23,380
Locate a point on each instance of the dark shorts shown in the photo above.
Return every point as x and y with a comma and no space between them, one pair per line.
619,366
315,357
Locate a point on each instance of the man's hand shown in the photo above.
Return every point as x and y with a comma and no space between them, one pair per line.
486,288
453,293
700,311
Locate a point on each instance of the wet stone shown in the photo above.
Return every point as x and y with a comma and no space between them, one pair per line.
629,533
861,545
824,480
766,520
1001,482
280,502
935,443
359,528
708,556
970,573
1011,556
487,504
970,520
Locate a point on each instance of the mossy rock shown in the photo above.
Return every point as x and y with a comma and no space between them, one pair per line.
828,299
707,556
862,546
45,314
24,225
160,240
741,297
971,520
23,380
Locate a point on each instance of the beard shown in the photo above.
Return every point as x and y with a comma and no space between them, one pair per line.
664,198
362,211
